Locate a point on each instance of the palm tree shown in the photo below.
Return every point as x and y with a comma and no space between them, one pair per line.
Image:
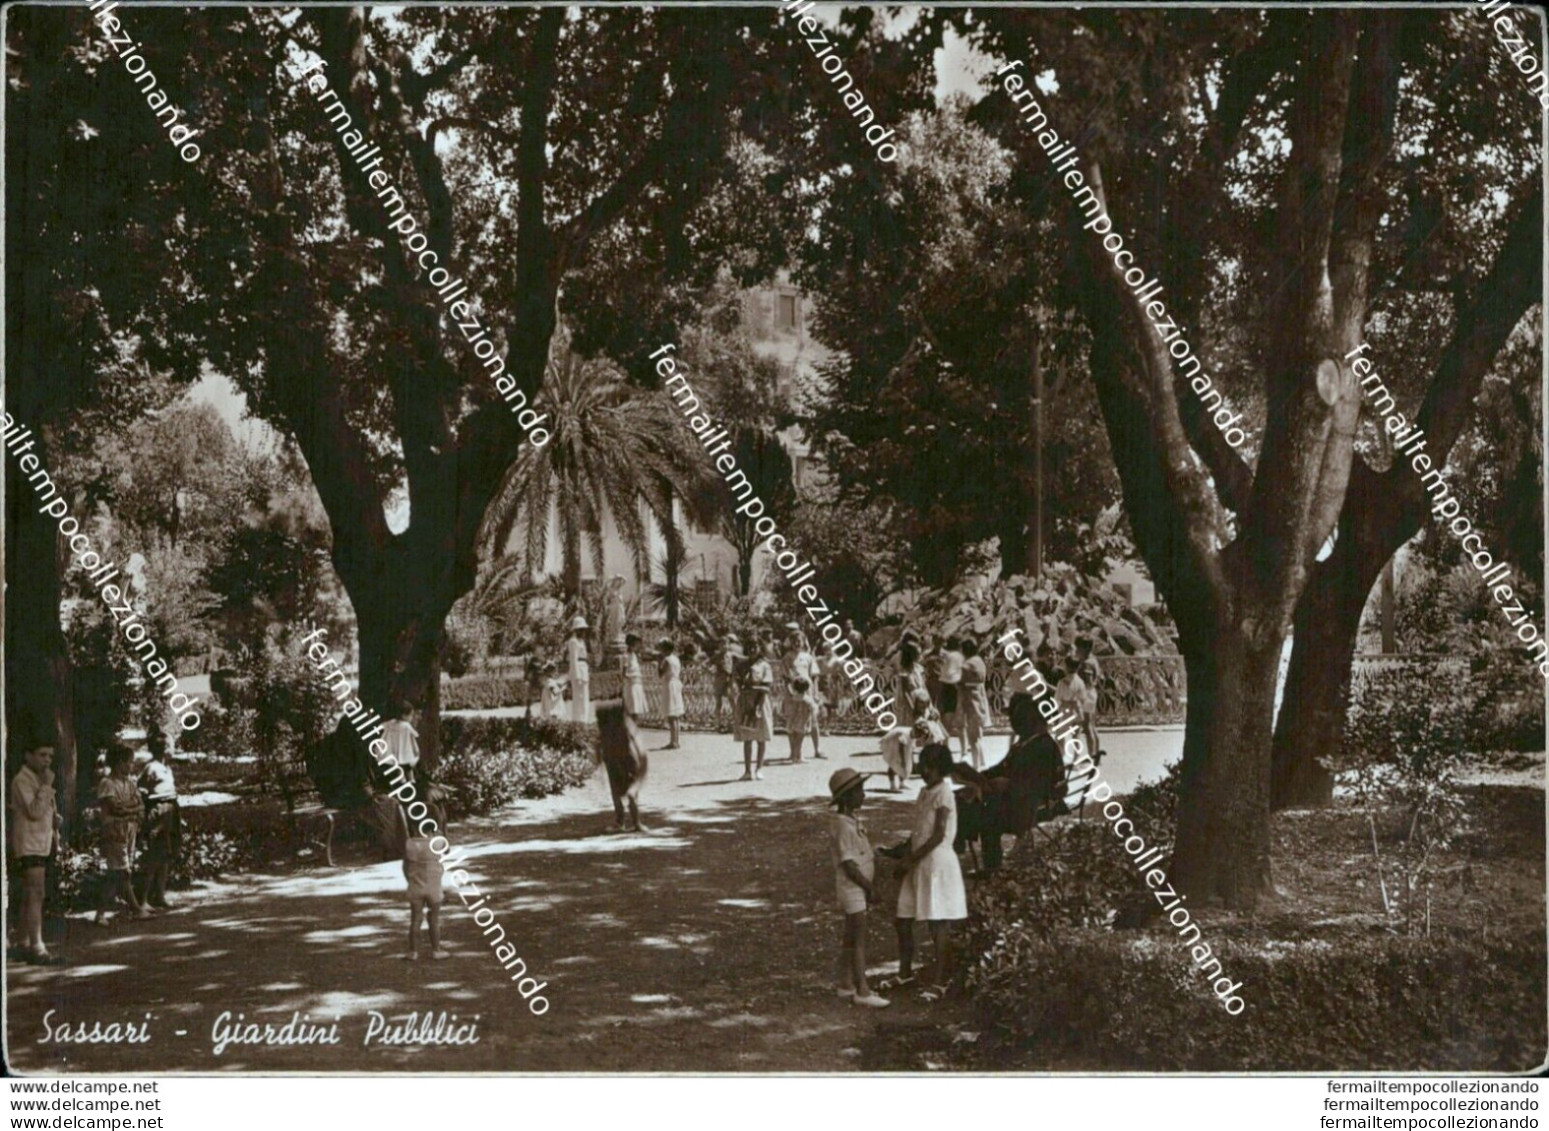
616,452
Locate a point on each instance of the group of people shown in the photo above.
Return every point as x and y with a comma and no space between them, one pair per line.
930,879
1009,798
140,827
546,688
752,675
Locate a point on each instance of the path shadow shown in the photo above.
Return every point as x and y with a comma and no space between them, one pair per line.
705,945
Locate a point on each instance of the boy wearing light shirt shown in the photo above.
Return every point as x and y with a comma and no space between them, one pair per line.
35,827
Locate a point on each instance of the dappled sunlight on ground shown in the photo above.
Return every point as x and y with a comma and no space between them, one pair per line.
706,944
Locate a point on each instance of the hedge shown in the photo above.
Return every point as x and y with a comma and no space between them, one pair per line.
483,693
487,763
1097,999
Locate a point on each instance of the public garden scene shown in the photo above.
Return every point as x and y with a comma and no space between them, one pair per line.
773,539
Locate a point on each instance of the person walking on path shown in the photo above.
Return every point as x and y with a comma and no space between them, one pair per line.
931,884
801,694
670,669
35,825
634,678
579,668
854,870
618,747
163,825
755,722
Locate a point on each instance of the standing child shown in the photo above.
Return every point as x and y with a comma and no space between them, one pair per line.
34,837
553,690
619,749
973,711
118,799
422,869
755,708
931,885
634,678
900,744
670,669
951,677
534,677
854,868
727,664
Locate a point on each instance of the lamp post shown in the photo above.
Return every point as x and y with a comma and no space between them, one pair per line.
1036,552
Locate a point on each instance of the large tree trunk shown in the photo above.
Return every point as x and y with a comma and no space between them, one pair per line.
38,679
1223,799
1317,688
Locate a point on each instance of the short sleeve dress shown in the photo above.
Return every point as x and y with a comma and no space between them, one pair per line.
933,889
904,686
634,686
801,715
973,709
755,719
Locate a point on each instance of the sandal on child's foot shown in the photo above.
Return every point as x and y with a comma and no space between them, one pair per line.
440,954
895,981
872,1001
845,991
412,956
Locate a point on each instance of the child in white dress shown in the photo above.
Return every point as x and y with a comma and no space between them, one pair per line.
670,669
634,678
553,691
931,886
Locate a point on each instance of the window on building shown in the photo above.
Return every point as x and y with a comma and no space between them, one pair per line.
787,317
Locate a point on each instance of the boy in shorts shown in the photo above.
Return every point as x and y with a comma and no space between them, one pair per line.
35,827
423,870
854,867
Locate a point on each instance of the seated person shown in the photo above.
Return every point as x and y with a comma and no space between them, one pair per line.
1008,797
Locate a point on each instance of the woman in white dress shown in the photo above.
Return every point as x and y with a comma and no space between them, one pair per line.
909,678
670,669
634,679
801,695
930,889
973,711
580,672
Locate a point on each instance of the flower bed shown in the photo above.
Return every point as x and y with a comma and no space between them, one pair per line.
487,763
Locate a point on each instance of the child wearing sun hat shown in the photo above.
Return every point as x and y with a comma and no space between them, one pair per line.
854,867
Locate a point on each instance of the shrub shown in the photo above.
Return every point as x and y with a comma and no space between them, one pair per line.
1154,805
78,869
206,855
1131,1001
483,693
1077,876
487,763
1423,708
